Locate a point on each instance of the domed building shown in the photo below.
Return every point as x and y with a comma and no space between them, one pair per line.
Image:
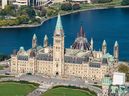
81,41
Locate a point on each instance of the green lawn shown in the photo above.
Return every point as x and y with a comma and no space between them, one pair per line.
64,91
15,89
1,67
5,76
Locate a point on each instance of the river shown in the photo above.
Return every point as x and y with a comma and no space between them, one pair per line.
109,24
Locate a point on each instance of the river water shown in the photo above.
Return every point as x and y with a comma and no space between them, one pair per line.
108,24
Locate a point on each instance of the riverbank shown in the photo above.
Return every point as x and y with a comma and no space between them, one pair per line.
63,14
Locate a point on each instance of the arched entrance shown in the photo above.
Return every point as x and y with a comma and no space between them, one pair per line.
57,73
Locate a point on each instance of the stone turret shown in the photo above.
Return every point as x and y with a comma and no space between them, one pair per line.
92,44
21,48
116,51
45,41
34,41
104,47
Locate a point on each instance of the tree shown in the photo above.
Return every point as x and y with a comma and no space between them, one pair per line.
23,19
27,10
66,6
43,11
51,12
3,57
76,6
2,12
101,1
10,10
125,2
125,69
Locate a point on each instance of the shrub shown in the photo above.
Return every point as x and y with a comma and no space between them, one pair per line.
76,6
101,1
66,6
125,2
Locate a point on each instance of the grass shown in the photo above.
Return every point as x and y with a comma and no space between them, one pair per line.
1,67
65,91
5,76
85,6
15,89
100,5
99,86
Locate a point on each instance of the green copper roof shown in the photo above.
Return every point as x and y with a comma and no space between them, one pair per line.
114,89
22,48
45,38
109,57
91,41
59,27
39,47
122,89
104,42
116,43
107,81
34,36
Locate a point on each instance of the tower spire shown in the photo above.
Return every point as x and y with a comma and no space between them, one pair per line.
45,41
59,28
34,36
104,42
82,33
116,51
34,41
91,44
116,44
104,47
58,49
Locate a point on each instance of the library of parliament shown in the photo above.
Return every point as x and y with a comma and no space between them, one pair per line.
80,60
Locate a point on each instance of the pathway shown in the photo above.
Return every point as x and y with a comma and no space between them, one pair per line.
48,83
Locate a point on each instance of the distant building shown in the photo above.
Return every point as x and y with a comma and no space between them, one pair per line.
3,3
88,1
21,2
118,78
29,2
81,60
114,86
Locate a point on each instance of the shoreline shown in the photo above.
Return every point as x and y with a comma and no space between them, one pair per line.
76,11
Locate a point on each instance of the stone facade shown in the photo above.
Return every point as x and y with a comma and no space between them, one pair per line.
81,60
